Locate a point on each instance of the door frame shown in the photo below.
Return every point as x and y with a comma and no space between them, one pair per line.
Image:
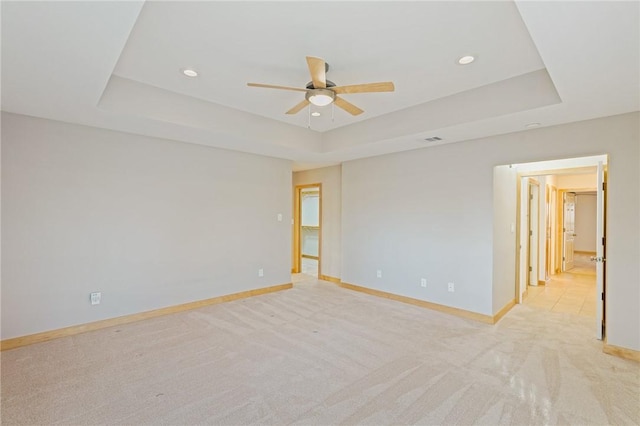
559,220
601,252
531,183
524,181
563,267
550,223
297,224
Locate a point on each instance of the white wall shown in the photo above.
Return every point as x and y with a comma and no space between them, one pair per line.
504,234
429,213
148,222
586,214
331,180
421,214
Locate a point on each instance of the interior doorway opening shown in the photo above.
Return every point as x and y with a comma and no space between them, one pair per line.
557,182
307,233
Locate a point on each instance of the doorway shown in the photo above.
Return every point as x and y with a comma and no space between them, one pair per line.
571,278
307,235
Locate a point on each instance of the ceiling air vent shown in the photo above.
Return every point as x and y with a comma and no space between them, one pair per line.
433,139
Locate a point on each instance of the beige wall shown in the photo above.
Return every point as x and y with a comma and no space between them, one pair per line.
153,223
149,223
331,180
581,181
505,182
586,215
429,213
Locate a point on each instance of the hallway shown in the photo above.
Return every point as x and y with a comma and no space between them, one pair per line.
570,292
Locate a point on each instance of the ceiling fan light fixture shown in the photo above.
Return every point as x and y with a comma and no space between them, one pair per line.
320,97
315,114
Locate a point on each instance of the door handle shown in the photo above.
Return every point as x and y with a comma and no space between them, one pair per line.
598,259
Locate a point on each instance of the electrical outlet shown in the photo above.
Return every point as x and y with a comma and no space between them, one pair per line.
261,272
95,298
423,282
379,273
452,287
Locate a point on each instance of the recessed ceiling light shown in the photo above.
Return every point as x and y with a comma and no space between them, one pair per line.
189,72
315,114
466,60
532,125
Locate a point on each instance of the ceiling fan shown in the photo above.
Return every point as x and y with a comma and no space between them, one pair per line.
320,91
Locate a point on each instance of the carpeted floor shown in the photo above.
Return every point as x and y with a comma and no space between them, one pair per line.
320,354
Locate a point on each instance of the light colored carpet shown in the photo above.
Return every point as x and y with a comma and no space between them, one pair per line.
319,354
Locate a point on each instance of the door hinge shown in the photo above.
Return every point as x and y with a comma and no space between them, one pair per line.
531,233
603,241
531,196
602,296
604,186
530,270
563,258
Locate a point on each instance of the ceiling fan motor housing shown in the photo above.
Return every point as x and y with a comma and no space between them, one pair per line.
329,84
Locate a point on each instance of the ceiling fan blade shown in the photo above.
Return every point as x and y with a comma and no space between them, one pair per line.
347,106
317,69
271,86
386,86
296,109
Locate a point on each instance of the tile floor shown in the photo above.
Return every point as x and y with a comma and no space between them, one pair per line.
572,292
310,267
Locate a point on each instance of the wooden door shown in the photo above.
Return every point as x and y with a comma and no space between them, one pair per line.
534,233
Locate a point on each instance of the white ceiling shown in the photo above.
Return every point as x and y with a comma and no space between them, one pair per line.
116,65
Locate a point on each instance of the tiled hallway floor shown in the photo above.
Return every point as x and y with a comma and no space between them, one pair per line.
572,292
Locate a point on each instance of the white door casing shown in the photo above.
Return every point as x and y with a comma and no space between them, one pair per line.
569,228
